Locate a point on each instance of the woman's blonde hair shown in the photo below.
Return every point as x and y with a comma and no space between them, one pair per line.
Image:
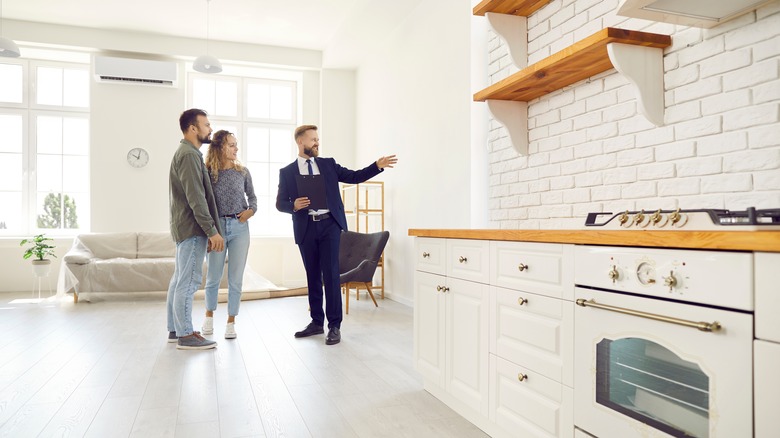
215,154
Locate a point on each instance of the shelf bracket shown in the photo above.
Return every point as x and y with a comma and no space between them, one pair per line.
513,31
643,67
514,116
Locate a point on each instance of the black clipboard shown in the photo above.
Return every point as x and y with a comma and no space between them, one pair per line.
312,187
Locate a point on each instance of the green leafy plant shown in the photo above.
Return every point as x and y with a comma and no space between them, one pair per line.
40,248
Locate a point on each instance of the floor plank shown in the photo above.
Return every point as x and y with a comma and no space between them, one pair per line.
104,368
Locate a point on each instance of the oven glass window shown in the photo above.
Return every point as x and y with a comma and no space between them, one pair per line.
651,384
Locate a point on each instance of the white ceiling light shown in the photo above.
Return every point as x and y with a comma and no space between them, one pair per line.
8,47
207,63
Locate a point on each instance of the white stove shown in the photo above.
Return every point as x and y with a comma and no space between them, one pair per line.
750,219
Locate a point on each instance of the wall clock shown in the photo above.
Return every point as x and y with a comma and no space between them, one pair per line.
137,157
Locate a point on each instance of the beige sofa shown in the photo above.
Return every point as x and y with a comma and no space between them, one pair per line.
121,262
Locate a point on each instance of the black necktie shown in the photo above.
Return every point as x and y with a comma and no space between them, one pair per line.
311,171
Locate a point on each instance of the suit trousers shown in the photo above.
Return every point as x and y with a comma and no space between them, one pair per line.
320,252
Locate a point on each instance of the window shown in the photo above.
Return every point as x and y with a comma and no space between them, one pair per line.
44,157
263,113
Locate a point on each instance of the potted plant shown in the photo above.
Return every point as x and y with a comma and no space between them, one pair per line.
40,249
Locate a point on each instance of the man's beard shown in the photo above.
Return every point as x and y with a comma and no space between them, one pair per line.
309,152
204,140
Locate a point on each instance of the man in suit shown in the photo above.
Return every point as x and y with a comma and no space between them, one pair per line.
318,232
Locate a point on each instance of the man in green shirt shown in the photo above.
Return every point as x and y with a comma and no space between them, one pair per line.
194,228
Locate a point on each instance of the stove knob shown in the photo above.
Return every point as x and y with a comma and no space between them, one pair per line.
614,275
639,219
670,281
658,219
623,219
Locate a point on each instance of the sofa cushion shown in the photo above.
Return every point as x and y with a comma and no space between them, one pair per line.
152,245
110,245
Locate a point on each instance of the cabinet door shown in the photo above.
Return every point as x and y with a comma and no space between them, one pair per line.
430,255
767,388
767,284
468,260
527,404
429,326
534,330
467,343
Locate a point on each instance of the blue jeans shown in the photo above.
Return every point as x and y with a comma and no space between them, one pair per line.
236,250
185,281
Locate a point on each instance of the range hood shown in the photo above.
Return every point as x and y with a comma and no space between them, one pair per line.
699,13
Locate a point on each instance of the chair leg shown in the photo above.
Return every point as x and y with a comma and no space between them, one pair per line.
347,288
368,287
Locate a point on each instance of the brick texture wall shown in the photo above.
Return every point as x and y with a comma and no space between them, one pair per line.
591,150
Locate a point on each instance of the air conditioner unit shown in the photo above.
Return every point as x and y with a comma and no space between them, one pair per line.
136,71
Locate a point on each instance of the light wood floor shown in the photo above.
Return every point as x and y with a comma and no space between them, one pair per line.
104,369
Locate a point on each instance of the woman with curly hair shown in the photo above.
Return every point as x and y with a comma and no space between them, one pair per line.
236,203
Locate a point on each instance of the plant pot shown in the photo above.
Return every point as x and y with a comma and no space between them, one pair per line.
41,268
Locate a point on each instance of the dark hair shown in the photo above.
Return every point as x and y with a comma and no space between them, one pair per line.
303,128
190,117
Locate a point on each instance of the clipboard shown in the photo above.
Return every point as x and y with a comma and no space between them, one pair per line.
312,187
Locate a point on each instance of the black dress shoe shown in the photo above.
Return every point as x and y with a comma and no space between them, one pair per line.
334,336
310,330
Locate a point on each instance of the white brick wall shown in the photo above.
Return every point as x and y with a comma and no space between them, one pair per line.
591,150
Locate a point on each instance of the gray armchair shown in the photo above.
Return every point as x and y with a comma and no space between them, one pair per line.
359,255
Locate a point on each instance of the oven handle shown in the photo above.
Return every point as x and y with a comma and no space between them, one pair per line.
703,326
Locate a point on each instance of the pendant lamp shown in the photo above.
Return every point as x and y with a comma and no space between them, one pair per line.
207,63
8,47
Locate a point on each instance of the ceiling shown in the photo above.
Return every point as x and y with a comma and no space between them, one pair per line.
340,28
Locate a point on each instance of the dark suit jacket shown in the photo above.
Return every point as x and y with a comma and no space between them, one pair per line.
332,173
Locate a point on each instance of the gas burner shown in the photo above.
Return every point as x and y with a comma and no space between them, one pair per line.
694,220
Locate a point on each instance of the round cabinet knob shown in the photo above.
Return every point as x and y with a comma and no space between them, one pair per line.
614,274
463,259
522,377
521,267
445,289
521,301
426,255
439,288
670,281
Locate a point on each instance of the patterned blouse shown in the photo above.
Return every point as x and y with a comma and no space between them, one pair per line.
233,189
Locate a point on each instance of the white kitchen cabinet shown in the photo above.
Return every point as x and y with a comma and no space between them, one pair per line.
542,268
533,330
767,288
470,336
766,381
468,260
527,404
451,337
429,340
430,255
766,348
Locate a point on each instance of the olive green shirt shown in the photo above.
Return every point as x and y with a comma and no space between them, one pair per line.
193,206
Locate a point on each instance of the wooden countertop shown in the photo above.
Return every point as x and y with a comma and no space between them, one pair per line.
768,241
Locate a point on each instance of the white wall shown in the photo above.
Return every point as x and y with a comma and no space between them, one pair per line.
126,116
413,100
590,150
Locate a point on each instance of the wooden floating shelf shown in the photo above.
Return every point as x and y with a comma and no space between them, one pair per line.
522,8
579,61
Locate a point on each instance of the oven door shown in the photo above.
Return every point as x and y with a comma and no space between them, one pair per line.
640,371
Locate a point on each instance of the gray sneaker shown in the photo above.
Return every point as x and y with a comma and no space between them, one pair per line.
195,342
172,337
